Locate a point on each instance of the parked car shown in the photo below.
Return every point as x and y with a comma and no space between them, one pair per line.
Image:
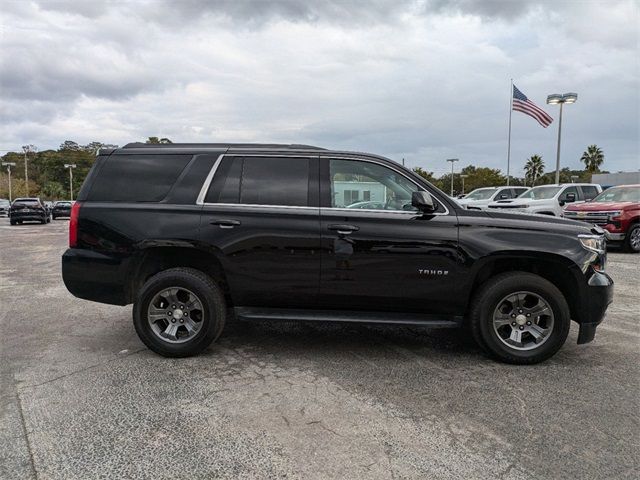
5,205
188,233
481,197
28,210
61,209
617,210
549,199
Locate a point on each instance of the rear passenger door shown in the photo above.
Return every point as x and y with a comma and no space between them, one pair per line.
261,217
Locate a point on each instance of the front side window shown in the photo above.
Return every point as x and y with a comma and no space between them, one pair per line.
276,181
569,190
366,185
504,193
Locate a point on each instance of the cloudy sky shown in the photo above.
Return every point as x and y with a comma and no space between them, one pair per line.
424,80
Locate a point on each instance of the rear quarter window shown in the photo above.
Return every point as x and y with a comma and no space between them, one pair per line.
137,178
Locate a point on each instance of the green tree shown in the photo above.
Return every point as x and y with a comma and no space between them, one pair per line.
428,176
158,140
592,158
533,169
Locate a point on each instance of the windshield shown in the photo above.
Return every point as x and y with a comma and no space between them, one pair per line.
4,202
63,204
540,193
619,194
480,194
25,201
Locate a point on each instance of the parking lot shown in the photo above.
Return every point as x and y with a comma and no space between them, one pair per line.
82,398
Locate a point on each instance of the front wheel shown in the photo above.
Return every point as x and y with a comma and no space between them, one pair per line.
632,243
179,312
519,318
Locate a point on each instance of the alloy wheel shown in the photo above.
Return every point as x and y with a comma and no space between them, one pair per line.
523,320
175,314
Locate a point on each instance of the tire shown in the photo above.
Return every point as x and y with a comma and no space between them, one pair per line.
493,299
632,242
53,217
197,286
12,222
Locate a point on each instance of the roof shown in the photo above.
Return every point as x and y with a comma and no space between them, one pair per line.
198,146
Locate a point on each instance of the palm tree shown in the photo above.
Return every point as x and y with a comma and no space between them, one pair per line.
592,158
534,168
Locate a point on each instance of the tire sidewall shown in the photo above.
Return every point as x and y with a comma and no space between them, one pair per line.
209,330
635,226
549,294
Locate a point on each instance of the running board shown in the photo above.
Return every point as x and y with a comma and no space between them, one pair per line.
287,314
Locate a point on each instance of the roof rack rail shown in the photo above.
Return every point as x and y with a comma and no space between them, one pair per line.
291,146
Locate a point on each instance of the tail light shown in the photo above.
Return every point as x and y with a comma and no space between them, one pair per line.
73,225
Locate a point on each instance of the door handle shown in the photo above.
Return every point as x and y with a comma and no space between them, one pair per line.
225,223
344,229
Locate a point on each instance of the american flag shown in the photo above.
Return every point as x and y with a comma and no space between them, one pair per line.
522,104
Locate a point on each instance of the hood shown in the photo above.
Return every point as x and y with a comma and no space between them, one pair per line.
600,206
530,220
515,201
465,201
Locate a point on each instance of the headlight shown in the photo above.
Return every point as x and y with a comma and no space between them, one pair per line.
610,215
593,243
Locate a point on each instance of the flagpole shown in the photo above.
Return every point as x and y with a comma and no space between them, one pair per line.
509,142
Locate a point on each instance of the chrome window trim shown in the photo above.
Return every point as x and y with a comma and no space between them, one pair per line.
209,179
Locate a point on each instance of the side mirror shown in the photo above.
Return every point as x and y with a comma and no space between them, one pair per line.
503,196
423,202
571,197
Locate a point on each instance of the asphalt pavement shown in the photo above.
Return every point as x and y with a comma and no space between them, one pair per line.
83,398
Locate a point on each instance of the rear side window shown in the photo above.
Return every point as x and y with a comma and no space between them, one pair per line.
274,181
137,178
590,192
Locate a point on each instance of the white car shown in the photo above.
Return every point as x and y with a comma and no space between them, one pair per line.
480,198
549,199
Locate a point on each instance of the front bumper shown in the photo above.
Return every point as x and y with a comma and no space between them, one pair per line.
614,237
598,297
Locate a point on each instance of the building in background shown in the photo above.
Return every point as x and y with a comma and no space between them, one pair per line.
606,180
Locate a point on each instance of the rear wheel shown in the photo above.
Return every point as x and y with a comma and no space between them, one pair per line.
12,222
179,312
632,242
520,318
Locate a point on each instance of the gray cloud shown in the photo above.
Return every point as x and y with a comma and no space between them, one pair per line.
424,80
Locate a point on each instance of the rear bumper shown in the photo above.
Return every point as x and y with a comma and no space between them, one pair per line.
94,276
599,296
28,216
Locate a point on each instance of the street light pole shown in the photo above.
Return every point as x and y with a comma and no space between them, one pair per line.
452,160
555,99
27,149
70,166
9,165
462,176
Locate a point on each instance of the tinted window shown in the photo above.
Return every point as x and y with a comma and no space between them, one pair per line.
137,178
519,191
568,190
504,193
589,192
365,185
261,181
225,187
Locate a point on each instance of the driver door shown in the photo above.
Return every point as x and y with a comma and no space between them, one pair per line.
378,252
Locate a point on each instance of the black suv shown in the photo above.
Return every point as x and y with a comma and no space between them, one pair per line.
192,234
28,210
61,209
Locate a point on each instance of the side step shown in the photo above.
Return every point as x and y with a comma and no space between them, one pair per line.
287,314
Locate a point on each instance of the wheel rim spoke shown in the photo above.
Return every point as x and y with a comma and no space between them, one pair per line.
516,336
